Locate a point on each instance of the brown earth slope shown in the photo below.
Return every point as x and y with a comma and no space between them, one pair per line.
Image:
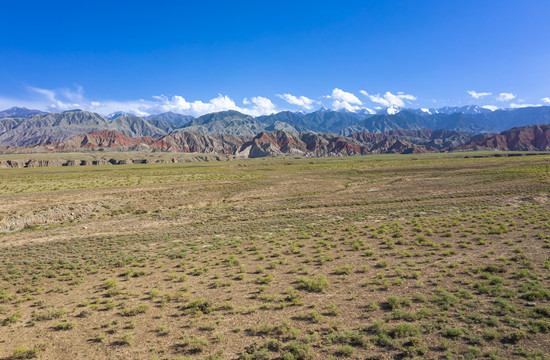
267,143
525,138
100,139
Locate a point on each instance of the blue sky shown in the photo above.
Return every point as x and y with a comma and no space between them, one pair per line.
260,57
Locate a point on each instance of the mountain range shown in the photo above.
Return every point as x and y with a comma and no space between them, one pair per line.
276,143
48,127
19,112
448,127
524,138
266,143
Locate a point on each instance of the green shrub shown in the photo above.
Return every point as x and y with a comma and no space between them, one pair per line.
346,350
332,310
140,309
64,325
24,352
343,270
126,339
264,329
317,284
453,333
503,307
5,296
397,302
193,344
298,351
110,284
490,334
200,305
404,330
13,318
540,294
445,300
314,316
267,279
515,336
349,337
48,314
293,296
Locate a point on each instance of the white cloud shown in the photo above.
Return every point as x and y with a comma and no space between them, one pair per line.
76,95
402,95
6,102
48,94
478,95
343,96
490,107
219,103
546,100
262,106
389,99
301,101
523,105
505,97
56,100
344,105
344,100
259,105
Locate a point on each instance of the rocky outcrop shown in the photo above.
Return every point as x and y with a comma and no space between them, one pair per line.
525,138
187,142
43,163
97,140
194,141
34,163
4,164
392,146
436,139
8,124
274,143
32,218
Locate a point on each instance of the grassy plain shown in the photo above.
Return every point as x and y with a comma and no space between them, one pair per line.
377,257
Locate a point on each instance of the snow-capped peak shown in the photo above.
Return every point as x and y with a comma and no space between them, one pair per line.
392,110
490,107
118,114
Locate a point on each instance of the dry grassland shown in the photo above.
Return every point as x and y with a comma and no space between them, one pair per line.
373,257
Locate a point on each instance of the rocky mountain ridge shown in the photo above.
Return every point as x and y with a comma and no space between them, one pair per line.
526,138
19,112
56,127
534,138
266,143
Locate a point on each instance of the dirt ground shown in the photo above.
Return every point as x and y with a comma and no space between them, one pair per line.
384,257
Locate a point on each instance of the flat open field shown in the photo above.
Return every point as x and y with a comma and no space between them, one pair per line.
382,257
